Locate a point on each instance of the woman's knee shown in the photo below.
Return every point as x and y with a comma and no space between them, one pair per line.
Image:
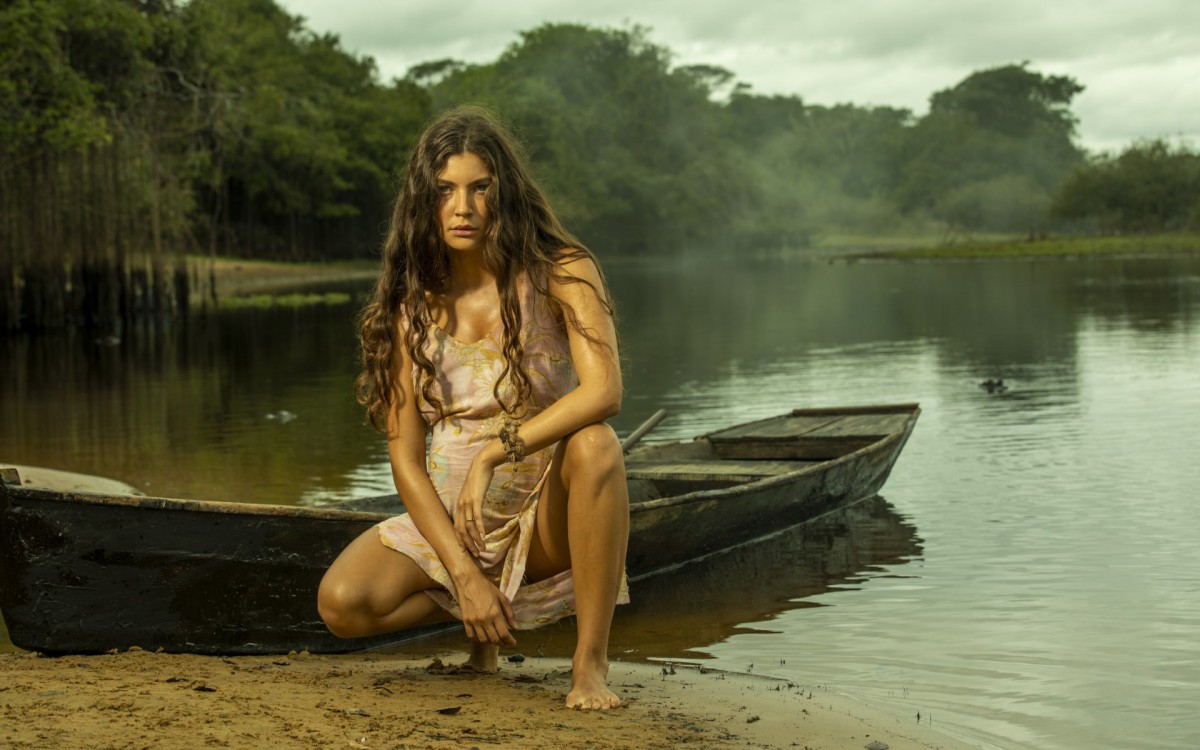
366,582
341,604
595,451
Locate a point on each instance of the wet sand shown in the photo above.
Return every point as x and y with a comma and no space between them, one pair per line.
139,699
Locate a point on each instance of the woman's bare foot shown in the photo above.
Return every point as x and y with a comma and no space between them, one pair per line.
589,686
485,657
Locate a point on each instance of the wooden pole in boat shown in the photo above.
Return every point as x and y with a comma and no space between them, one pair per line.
636,436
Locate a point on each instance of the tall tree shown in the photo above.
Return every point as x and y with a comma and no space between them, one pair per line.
998,128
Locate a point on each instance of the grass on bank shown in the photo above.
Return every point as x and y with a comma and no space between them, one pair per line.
843,242
246,282
282,300
1140,245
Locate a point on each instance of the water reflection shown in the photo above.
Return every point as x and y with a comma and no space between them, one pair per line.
742,590
1016,320
185,411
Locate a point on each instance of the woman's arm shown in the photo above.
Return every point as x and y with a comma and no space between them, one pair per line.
487,614
596,398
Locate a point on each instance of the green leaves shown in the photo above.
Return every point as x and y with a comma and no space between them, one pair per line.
991,150
46,100
1152,186
253,134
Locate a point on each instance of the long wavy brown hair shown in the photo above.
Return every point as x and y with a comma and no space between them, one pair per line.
523,237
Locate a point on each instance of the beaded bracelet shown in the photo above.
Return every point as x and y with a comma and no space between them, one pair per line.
514,446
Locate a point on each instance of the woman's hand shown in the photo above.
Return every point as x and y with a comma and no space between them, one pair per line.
487,614
468,512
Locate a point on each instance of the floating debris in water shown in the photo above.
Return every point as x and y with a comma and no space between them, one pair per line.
994,385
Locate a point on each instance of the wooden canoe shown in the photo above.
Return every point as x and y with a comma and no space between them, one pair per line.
83,572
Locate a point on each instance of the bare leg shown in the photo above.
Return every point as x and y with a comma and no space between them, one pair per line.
371,589
583,524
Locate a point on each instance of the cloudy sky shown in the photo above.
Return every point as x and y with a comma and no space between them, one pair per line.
1138,59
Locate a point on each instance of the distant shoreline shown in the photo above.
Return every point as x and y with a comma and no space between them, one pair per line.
245,277
1122,247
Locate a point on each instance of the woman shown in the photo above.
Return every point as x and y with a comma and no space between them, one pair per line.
491,328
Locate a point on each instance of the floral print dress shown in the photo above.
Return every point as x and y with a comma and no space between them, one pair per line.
465,378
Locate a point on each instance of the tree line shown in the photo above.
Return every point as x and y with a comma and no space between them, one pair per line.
139,130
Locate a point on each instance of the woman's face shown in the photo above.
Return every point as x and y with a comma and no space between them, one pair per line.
463,212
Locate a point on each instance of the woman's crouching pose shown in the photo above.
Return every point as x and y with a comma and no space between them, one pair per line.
492,329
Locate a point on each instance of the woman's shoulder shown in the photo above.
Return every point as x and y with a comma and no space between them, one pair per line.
576,261
570,267
575,272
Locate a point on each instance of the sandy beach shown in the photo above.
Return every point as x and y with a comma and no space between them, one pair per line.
138,699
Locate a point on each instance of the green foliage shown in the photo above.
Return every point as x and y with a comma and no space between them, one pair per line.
45,99
815,168
1012,100
1150,187
238,130
1009,202
299,137
1004,134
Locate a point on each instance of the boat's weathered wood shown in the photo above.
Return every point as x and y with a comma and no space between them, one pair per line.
789,427
636,436
912,408
805,436
82,572
682,527
697,449
388,505
698,470
863,425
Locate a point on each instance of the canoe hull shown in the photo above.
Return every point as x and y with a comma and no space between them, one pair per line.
87,576
664,534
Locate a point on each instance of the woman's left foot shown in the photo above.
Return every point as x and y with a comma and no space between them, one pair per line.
589,687
485,657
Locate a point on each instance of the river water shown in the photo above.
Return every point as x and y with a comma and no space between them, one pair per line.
1030,578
